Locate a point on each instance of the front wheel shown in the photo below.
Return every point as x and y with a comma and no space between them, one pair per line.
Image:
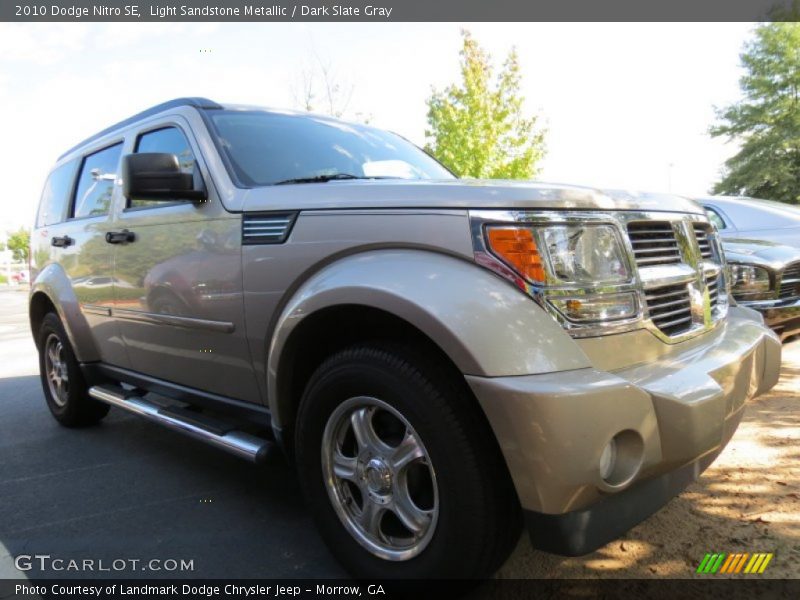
399,469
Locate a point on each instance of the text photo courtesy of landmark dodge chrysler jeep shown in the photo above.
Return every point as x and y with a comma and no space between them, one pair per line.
446,361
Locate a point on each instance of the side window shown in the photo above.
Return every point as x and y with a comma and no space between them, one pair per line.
96,182
715,219
170,140
56,195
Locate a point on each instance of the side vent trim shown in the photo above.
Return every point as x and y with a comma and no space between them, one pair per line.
267,228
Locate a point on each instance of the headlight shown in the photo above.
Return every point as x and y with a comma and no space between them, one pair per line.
571,264
587,255
558,255
749,282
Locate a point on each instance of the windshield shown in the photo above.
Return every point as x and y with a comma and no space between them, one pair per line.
269,148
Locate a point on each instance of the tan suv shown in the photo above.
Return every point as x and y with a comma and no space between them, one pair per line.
443,359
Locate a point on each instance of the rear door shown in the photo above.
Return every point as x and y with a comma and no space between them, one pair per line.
179,283
77,241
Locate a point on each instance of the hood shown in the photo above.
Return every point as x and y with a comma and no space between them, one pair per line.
759,252
455,194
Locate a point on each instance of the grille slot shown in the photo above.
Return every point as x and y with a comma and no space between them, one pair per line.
702,232
266,228
790,282
670,308
654,243
712,284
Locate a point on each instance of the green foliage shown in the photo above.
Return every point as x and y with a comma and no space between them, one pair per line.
19,243
477,127
766,121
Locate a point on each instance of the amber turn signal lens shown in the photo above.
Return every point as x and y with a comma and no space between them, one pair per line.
517,247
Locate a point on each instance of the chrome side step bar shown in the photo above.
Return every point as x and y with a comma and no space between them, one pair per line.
239,443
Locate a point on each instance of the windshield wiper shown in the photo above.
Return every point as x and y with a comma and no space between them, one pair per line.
320,178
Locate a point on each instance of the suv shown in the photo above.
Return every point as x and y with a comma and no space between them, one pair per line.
444,360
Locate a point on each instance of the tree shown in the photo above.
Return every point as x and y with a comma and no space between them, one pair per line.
478,127
766,121
19,243
320,86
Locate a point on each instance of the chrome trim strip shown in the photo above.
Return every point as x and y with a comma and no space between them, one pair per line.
93,309
175,321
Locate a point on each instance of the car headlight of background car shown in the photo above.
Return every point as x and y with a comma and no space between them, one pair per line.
749,282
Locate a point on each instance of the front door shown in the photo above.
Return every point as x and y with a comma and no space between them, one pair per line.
178,281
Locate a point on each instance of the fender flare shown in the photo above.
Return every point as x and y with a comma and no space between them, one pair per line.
485,325
54,283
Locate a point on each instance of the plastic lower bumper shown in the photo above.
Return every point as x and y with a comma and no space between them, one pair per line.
670,419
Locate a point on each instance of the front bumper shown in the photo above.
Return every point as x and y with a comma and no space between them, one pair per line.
781,316
673,416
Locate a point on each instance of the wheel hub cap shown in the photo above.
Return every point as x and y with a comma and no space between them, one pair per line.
378,476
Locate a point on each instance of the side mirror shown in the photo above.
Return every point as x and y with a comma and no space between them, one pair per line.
157,176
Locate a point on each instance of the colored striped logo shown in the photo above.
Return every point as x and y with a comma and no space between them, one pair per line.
742,562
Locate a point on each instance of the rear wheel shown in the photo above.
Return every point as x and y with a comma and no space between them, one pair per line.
64,387
402,475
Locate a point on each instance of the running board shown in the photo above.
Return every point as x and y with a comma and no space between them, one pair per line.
239,443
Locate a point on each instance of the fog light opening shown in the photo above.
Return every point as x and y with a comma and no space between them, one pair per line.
621,459
608,459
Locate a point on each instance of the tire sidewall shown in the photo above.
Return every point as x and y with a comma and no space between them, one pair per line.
70,412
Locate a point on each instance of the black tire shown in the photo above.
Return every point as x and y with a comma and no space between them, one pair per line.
73,408
479,518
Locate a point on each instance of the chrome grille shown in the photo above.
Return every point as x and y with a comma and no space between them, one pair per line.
670,308
702,233
790,282
654,243
266,228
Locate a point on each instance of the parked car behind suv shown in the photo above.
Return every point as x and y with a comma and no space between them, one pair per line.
753,218
762,248
442,359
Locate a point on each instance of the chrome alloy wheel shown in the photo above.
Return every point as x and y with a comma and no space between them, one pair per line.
380,478
55,364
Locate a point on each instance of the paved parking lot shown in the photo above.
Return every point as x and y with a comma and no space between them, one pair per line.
130,490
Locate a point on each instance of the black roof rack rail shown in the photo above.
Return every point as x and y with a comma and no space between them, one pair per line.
153,110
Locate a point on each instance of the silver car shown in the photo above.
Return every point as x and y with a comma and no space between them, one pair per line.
752,218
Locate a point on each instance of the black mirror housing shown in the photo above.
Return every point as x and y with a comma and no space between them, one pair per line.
157,176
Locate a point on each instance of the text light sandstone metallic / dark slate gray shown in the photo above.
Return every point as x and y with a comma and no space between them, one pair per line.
444,359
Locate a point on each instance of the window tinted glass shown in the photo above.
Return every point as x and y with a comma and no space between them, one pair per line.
267,148
96,183
170,140
714,217
56,195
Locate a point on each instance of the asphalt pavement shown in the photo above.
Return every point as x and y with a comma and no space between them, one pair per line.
128,490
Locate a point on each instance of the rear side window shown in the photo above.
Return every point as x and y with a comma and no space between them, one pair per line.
170,140
56,195
96,182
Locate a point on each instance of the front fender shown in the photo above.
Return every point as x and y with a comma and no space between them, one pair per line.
53,282
485,325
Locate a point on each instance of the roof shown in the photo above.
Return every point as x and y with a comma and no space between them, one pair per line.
153,110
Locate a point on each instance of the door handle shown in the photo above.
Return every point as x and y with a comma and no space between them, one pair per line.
62,241
120,237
